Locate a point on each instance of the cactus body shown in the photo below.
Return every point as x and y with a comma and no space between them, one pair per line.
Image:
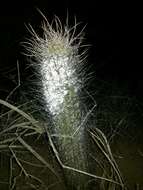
60,72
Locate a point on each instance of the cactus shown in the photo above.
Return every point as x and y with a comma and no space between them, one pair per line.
60,70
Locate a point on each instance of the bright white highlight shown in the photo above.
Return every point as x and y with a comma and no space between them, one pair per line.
57,77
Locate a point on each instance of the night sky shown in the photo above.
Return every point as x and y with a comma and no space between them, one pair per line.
110,31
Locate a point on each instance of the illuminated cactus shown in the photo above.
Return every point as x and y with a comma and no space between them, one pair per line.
60,70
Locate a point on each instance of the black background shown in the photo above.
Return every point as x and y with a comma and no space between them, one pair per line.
112,30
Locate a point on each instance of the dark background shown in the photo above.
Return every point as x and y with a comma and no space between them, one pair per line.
112,31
